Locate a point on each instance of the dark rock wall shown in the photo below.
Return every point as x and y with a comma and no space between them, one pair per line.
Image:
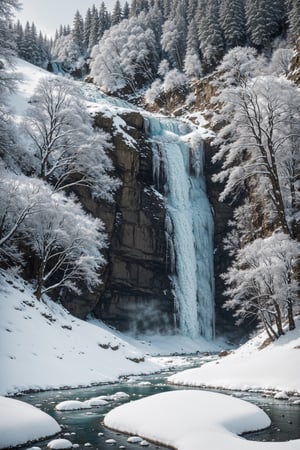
136,291
222,213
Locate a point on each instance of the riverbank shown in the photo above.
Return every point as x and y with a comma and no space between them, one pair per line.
44,347
258,365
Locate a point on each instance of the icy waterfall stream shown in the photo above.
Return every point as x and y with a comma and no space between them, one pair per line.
178,160
178,151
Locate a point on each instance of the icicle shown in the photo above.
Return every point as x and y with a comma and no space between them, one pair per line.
156,161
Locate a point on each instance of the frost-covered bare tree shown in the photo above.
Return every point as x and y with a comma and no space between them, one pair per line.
67,150
259,150
261,283
258,143
66,243
63,241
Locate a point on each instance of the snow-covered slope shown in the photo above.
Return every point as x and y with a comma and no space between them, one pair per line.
252,366
43,346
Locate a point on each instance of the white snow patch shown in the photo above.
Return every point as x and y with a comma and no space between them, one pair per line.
58,444
189,420
21,423
281,396
96,402
72,405
134,440
273,367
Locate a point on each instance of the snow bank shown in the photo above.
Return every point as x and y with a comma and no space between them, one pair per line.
275,367
190,420
21,423
45,347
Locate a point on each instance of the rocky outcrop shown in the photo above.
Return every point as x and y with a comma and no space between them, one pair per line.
294,73
136,291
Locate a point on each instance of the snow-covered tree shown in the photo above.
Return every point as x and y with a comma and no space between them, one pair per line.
192,63
262,284
155,21
7,78
104,20
125,56
173,80
87,27
67,150
126,10
280,62
210,33
78,31
258,149
67,52
258,144
233,23
116,15
173,40
7,39
294,21
18,198
66,244
264,20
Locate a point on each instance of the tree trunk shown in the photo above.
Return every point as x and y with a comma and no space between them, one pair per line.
290,315
39,281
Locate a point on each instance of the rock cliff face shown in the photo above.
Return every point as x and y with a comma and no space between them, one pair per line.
294,73
136,291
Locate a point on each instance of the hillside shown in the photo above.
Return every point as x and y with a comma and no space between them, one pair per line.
44,347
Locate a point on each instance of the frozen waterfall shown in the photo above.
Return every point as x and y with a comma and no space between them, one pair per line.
178,166
178,151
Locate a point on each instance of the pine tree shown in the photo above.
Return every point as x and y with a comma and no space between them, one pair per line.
191,9
94,35
7,38
233,23
155,21
35,51
126,10
137,6
87,27
264,21
173,39
116,15
294,21
104,20
192,63
78,31
19,33
167,5
210,34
